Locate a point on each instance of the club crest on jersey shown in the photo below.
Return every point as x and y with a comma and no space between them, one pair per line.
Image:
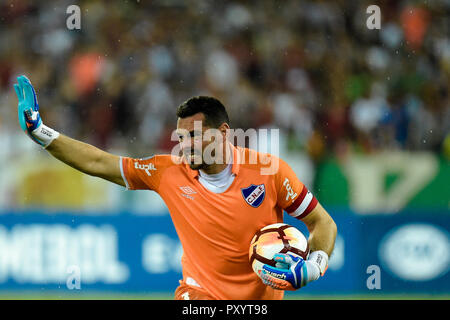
254,195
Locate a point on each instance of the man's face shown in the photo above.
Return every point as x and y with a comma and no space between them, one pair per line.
190,132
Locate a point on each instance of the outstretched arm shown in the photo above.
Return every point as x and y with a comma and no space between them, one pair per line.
86,158
81,156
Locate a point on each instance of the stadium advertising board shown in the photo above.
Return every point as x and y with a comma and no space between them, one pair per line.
406,253
385,182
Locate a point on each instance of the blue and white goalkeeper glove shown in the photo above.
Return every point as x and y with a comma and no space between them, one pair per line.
292,272
28,112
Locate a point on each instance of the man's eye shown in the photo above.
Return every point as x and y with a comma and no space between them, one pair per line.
195,134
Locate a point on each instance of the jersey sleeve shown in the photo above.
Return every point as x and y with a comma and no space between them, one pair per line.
292,195
141,174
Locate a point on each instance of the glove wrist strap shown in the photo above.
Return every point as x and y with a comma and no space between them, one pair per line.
45,135
321,259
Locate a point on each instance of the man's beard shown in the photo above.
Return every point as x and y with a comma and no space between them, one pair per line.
197,162
201,166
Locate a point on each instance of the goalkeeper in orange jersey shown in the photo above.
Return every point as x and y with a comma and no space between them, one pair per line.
216,206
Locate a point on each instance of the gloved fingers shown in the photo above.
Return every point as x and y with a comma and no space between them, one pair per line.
275,270
282,265
284,279
285,259
23,80
19,92
274,282
282,258
280,261
28,91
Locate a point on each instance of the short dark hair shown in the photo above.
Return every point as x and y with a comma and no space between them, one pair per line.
213,110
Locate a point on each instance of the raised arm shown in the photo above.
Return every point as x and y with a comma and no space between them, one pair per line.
79,155
86,158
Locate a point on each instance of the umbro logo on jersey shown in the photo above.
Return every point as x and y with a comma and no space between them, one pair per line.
254,194
188,190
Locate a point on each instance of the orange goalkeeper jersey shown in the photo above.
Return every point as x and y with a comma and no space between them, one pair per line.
215,229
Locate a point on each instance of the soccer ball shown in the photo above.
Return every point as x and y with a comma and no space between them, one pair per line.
276,238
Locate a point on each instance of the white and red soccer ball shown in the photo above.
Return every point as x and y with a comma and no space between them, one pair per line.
276,238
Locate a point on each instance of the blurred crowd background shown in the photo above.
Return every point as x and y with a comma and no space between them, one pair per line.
310,68
364,119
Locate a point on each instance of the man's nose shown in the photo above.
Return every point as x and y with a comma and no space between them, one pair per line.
186,144
191,144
